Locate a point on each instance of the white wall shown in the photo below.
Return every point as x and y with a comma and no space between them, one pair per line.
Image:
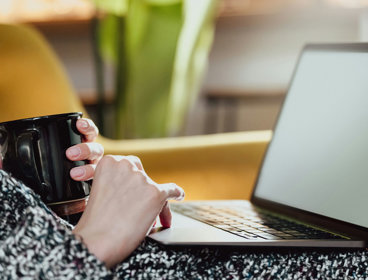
259,52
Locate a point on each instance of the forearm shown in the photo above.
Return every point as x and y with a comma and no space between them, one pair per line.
33,242
39,248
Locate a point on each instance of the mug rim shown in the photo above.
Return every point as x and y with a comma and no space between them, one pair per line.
46,117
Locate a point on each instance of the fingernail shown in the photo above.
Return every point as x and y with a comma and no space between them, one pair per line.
77,172
74,152
84,124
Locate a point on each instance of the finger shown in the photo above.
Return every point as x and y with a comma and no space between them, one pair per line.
85,151
136,161
88,129
165,216
135,164
83,173
171,191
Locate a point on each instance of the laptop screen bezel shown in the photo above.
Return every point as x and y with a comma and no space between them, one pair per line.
296,213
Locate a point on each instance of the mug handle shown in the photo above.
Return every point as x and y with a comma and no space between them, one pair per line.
27,150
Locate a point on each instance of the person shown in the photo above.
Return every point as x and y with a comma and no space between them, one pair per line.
109,240
122,194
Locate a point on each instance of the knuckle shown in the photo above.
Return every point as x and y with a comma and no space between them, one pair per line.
109,163
154,193
125,163
140,177
94,150
135,158
107,160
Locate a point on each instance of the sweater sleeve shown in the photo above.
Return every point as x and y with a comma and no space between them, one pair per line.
34,243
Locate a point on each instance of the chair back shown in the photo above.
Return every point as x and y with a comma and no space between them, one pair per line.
32,79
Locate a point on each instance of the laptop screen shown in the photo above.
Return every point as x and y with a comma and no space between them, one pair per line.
318,158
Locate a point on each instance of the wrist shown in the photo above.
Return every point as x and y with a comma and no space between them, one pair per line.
107,247
98,245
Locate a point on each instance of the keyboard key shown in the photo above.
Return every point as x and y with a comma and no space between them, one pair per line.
247,235
269,236
250,223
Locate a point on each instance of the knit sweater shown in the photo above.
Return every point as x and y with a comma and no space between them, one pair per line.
36,244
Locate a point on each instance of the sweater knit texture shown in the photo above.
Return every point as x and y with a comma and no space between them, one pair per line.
37,244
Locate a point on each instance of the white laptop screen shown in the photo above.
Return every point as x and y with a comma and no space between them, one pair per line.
318,159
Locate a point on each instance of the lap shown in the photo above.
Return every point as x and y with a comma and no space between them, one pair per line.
152,261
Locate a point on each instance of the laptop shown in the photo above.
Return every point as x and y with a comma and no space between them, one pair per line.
312,187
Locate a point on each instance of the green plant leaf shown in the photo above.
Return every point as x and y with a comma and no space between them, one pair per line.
116,7
163,2
191,60
152,32
107,30
160,50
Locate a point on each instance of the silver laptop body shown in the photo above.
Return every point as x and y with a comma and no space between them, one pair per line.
312,188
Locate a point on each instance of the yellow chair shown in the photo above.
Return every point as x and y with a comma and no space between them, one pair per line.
218,166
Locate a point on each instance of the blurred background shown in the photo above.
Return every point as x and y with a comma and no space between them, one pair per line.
141,69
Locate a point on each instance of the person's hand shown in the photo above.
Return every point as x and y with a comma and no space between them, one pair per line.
122,207
88,150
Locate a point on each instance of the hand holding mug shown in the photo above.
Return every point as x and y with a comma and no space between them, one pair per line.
88,150
33,150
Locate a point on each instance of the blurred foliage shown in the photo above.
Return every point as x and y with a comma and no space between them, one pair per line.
159,49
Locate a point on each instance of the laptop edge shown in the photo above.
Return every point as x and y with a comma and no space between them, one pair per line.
188,231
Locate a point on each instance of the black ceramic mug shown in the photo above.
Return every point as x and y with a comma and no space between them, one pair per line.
33,151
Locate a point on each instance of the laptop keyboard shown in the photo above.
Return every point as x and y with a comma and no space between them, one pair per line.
250,222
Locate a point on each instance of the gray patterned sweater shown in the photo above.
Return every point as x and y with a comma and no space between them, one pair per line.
36,244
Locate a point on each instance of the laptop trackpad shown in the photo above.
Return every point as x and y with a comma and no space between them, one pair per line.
189,231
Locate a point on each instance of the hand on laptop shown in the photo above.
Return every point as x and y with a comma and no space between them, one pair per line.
123,205
89,150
